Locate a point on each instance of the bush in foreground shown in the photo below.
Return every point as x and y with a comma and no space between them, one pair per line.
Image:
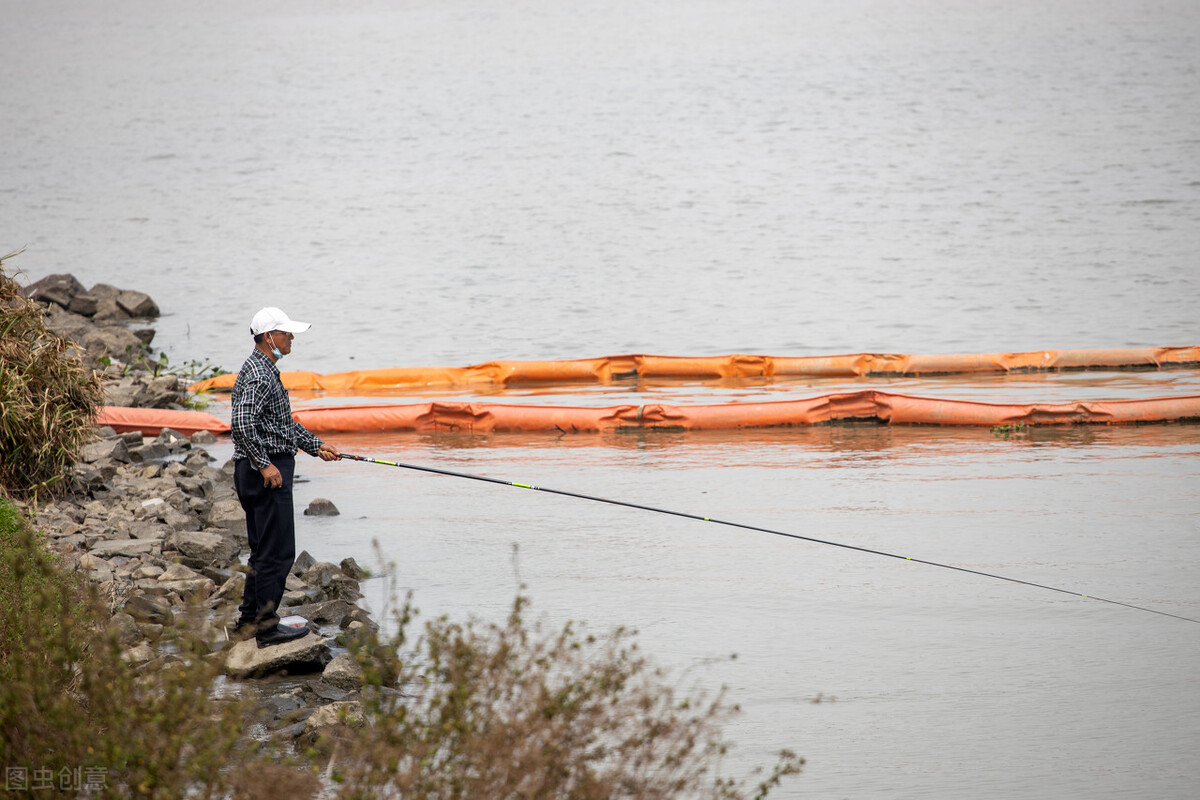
72,708
467,711
48,399
513,710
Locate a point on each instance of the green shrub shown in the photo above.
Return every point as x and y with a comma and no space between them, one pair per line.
514,710
70,702
48,399
469,711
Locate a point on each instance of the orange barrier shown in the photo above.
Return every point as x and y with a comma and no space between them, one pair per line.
868,405
876,406
152,420
611,369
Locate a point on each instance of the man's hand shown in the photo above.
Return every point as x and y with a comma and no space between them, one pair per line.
272,478
329,452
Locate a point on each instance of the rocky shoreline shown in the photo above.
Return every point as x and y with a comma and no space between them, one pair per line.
157,528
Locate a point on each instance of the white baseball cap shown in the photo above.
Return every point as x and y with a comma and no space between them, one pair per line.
272,319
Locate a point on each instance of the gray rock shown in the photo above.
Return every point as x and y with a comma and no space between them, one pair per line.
127,547
139,654
302,562
345,712
178,572
99,570
137,304
125,628
196,487
204,437
227,515
111,340
320,574
130,396
153,451
299,597
231,590
343,672
61,284
144,608
172,439
343,587
198,459
199,587
329,612
83,304
307,654
146,529
206,545
105,449
320,507
351,569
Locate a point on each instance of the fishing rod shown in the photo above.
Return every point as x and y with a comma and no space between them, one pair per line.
813,539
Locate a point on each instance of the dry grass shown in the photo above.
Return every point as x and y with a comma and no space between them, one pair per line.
517,711
48,399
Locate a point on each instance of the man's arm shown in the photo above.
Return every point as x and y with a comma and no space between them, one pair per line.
313,445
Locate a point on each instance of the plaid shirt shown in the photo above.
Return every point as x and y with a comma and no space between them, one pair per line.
262,415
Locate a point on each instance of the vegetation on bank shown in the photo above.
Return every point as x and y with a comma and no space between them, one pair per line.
48,399
465,711
71,707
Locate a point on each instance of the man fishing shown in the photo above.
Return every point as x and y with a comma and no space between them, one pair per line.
265,440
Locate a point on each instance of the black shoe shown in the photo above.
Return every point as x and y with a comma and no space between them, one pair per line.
240,632
279,634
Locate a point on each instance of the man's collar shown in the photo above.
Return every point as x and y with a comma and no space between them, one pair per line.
260,354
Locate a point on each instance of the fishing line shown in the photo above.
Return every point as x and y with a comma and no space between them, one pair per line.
744,526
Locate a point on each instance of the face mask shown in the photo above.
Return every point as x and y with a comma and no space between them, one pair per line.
274,349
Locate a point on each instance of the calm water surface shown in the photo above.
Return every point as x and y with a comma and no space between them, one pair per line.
449,183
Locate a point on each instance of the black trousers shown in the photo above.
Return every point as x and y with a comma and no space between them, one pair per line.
271,527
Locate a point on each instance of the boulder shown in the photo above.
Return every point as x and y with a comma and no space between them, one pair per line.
111,340
351,569
58,288
83,304
231,590
126,547
343,672
320,574
343,587
320,507
137,304
145,608
139,654
330,612
227,515
98,569
302,562
206,545
345,712
105,449
124,627
124,395
307,654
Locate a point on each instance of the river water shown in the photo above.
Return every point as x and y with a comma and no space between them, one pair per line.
454,182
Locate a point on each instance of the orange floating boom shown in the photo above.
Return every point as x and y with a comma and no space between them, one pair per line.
870,405
151,421
611,369
867,405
